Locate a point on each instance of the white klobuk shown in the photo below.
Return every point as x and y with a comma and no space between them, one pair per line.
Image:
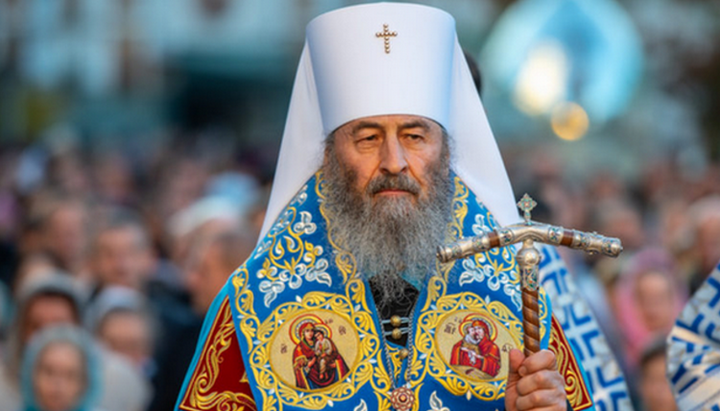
382,59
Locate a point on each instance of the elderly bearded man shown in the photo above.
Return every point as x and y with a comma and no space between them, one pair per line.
386,154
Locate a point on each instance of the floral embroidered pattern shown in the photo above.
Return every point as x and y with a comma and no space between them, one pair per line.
483,272
436,404
305,226
290,257
480,227
311,269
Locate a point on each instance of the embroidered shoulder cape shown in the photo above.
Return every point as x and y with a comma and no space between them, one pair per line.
295,327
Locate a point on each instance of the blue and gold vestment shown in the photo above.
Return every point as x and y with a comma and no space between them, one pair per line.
299,283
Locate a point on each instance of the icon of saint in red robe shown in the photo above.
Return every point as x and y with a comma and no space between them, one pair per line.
316,360
477,349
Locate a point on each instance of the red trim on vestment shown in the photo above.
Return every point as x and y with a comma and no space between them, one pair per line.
577,392
219,380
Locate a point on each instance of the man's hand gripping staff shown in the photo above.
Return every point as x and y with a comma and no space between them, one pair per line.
533,379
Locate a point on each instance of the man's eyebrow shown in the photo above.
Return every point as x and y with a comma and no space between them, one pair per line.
415,124
410,124
365,124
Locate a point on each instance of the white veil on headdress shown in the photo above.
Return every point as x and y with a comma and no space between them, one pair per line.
348,70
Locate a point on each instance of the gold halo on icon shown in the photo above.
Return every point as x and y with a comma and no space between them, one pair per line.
300,322
468,320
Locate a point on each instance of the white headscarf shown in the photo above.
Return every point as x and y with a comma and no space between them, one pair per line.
347,72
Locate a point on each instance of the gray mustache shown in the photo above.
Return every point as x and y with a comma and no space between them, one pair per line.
393,182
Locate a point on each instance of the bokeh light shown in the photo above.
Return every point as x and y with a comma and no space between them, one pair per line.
569,121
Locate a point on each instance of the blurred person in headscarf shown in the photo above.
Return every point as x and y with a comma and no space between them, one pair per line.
57,300
648,297
121,320
61,371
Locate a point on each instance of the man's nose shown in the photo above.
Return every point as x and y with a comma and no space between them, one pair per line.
393,159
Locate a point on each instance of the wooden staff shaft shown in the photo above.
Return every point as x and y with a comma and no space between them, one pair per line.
528,259
531,322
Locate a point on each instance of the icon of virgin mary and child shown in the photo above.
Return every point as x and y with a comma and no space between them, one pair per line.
477,349
316,360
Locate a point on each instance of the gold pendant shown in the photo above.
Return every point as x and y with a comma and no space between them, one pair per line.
402,399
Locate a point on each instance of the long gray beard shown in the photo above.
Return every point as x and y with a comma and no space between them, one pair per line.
390,236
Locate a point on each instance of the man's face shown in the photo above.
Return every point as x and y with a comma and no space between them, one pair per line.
389,196
393,145
122,257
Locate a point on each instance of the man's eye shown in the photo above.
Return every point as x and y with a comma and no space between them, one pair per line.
372,137
415,136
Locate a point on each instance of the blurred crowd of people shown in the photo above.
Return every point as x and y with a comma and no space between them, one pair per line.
116,264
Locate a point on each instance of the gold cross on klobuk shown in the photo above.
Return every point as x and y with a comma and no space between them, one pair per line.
386,34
